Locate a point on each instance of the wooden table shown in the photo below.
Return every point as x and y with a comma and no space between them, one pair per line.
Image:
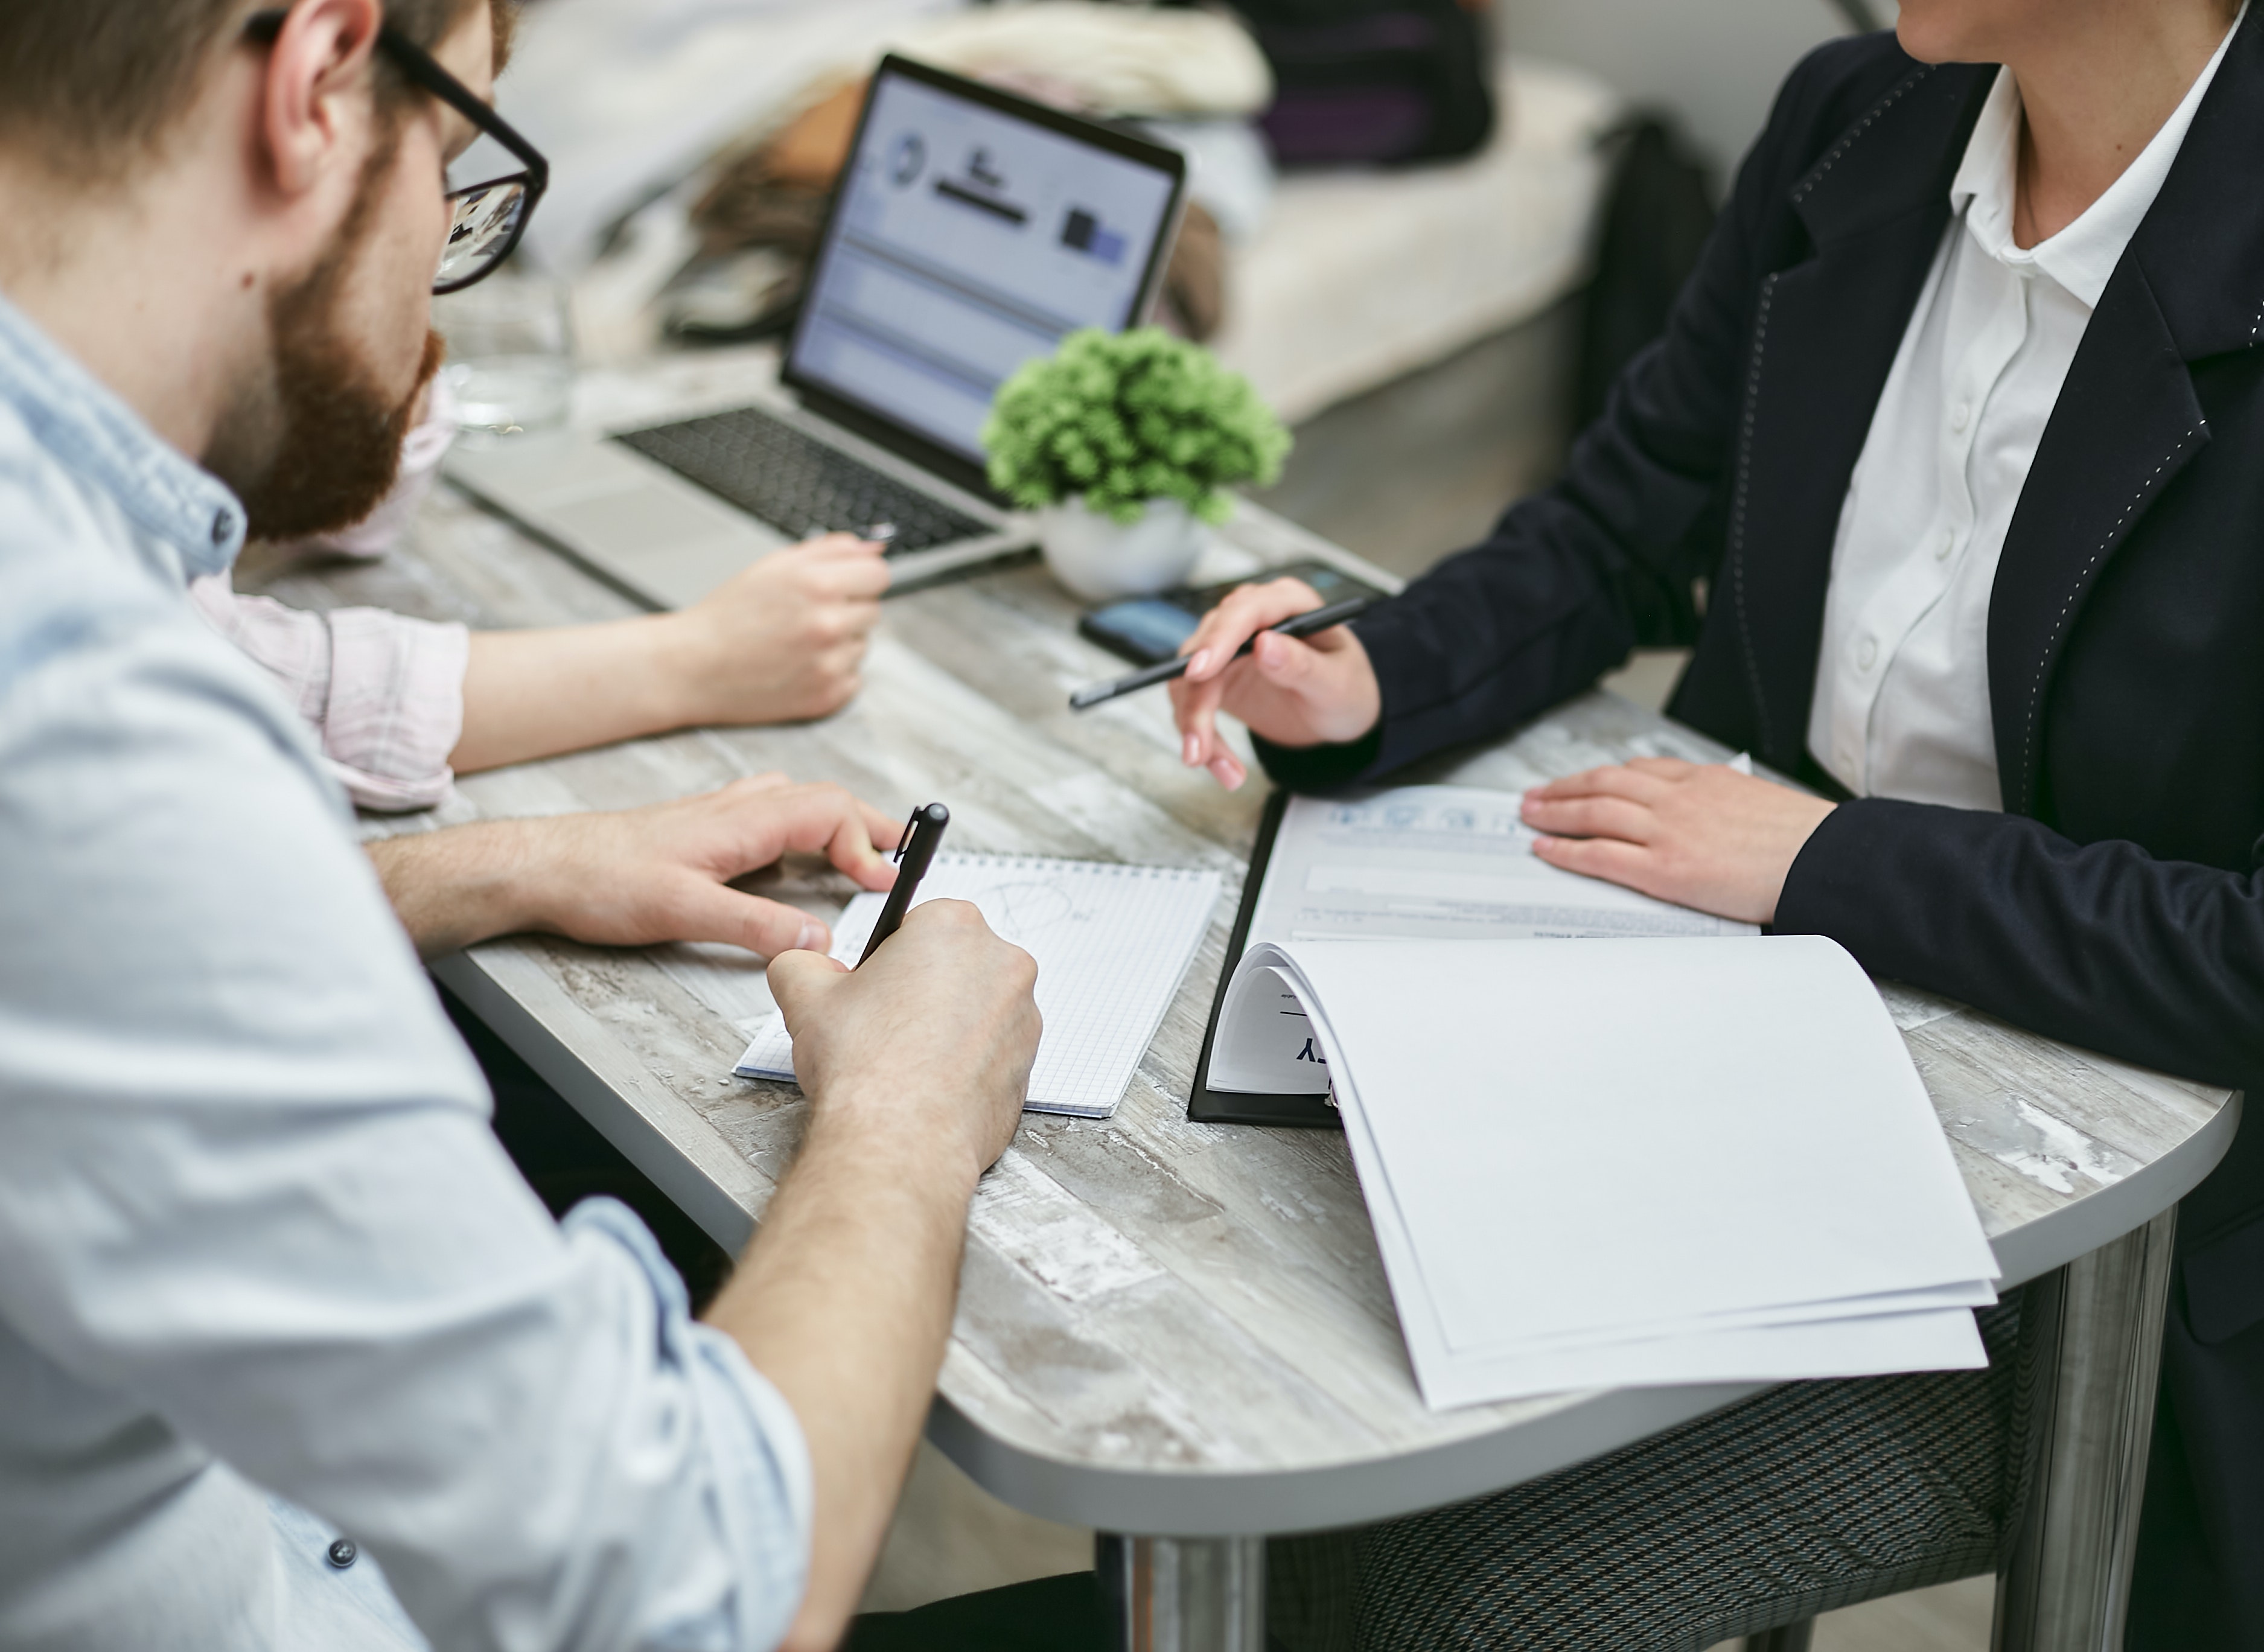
1181,1334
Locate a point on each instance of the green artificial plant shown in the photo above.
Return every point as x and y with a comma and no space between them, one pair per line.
1121,418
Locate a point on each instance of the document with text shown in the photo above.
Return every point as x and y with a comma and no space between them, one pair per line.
1446,862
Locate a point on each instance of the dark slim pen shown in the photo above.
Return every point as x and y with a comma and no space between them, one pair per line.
923,832
1301,625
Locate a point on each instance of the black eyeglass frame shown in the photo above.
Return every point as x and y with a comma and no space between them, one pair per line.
425,72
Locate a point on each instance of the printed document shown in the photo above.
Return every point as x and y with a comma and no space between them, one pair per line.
1424,862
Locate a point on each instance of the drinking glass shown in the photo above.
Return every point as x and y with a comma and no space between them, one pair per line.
510,352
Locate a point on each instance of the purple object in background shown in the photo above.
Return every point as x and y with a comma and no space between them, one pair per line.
1372,82
1346,128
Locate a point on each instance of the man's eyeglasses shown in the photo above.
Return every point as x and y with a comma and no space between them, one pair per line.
486,220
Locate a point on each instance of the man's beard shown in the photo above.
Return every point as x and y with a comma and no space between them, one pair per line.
341,434
327,445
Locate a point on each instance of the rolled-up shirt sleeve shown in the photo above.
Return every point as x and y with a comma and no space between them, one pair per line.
384,692
248,1185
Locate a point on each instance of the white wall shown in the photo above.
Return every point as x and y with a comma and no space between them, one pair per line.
1716,64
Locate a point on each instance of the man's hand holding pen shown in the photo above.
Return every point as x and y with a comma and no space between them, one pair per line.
945,998
943,995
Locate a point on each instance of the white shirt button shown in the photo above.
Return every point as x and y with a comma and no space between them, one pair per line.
1945,544
1867,653
1960,415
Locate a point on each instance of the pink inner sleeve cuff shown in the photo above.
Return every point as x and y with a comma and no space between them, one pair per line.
293,647
395,708
384,692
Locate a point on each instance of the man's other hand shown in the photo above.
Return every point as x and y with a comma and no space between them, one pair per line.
662,872
929,1042
634,877
1317,690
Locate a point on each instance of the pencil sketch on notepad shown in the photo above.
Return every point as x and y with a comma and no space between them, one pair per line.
1112,943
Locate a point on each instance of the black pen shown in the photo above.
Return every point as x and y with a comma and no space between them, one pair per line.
1301,625
914,849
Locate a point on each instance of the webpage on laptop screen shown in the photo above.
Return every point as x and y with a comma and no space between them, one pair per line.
967,242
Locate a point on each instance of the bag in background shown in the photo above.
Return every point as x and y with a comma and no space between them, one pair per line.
1374,81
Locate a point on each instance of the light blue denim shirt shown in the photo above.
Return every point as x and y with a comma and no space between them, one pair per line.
259,1253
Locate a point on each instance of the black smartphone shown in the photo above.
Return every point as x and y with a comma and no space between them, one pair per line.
1148,630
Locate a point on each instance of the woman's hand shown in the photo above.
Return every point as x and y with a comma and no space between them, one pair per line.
1319,691
783,640
780,641
1699,835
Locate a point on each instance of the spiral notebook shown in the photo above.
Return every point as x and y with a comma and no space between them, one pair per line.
1113,943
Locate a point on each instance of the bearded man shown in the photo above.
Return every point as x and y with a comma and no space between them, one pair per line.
275,1311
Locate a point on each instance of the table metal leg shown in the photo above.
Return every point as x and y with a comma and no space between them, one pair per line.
1792,1637
1185,1594
2066,1587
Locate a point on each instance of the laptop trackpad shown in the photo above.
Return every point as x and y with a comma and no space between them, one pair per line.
671,547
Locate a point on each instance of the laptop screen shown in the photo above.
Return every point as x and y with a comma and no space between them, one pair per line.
972,230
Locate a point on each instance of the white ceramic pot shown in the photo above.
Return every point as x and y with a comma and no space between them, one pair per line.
1103,560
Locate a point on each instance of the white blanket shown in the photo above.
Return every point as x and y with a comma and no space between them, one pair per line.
1360,276
627,97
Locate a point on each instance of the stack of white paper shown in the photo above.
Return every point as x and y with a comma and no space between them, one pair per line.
1605,1162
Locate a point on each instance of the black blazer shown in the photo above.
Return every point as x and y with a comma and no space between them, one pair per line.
2115,903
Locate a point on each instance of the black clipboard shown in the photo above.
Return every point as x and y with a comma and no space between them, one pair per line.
1206,1105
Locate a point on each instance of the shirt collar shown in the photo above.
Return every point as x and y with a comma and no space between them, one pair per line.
85,425
2082,257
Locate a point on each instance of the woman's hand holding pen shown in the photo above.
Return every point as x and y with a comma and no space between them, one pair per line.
1315,691
1701,835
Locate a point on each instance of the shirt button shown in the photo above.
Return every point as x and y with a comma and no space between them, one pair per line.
343,1552
1946,544
1960,415
1867,653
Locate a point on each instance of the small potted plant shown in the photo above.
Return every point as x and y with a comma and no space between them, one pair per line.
1123,442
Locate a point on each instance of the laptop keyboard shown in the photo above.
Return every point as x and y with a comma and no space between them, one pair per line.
799,484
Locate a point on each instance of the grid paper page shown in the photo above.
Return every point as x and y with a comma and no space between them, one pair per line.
1112,943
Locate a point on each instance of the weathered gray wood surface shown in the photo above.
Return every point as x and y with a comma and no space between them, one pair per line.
1163,1327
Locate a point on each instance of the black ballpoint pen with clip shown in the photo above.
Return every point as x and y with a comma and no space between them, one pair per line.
923,833
1303,624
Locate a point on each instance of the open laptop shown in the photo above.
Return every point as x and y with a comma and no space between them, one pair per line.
971,230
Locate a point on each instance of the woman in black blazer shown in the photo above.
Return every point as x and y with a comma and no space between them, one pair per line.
2113,901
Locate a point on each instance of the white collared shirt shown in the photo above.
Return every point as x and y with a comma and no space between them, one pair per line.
1902,682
